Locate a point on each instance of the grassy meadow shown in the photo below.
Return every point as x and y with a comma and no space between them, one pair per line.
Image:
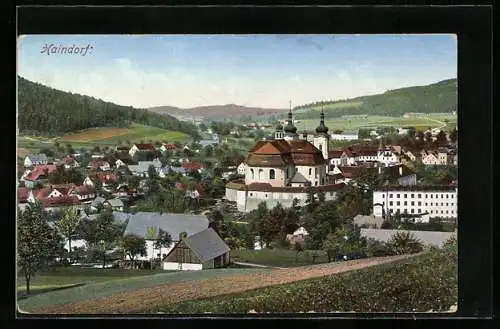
278,257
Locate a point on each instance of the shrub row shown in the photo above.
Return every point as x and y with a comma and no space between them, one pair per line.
423,283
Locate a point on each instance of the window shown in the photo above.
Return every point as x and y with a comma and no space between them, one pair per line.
452,196
432,212
390,203
419,196
316,183
441,211
310,171
426,203
316,172
397,203
260,173
266,195
441,204
412,211
413,195
251,194
420,211
419,203
447,211
406,203
431,196
271,174
446,196
432,203
397,196
413,203
405,196
253,174
390,195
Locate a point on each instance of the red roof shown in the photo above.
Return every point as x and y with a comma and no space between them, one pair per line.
82,190
179,186
170,146
104,177
94,164
145,147
39,171
68,160
335,153
280,152
60,201
41,193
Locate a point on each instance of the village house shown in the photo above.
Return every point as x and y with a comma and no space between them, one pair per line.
99,165
141,148
202,250
142,167
69,162
298,236
168,147
39,174
241,168
115,204
334,157
35,160
54,199
84,193
435,157
96,204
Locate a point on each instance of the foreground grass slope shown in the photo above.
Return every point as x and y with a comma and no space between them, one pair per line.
118,282
419,284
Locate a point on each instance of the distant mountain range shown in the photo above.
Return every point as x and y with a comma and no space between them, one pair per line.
216,112
438,97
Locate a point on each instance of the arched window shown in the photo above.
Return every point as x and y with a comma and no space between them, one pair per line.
271,174
253,174
260,173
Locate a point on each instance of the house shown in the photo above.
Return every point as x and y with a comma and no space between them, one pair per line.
38,174
435,157
84,193
35,160
96,203
368,220
99,165
334,157
242,167
399,174
88,182
427,238
344,137
141,148
409,154
148,224
298,236
115,204
69,162
141,168
53,203
168,147
202,250
163,172
106,179
192,166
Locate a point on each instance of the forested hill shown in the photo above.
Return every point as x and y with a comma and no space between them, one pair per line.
46,111
438,97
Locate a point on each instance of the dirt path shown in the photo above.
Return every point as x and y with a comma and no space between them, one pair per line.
134,302
258,265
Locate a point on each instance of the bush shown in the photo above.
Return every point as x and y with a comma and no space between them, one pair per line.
423,283
375,248
404,243
386,225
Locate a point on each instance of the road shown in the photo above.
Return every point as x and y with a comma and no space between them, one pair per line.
443,124
258,265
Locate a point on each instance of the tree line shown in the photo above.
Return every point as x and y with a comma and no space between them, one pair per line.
48,111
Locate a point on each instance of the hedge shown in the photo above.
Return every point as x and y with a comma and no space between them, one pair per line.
420,284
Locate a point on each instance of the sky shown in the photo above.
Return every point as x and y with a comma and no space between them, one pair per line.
251,70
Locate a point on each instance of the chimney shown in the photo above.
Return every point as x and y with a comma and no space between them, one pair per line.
400,170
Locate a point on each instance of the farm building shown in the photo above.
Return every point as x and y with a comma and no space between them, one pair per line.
203,250
148,224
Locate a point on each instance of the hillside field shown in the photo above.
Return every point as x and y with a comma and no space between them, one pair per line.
420,123
106,137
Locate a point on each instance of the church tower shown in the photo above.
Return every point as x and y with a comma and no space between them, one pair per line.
290,129
278,133
321,138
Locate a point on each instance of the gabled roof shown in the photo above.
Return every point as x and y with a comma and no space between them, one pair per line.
191,166
39,171
83,190
335,154
276,153
171,223
64,200
145,147
206,244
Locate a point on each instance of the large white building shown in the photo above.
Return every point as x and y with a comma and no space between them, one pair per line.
282,169
425,201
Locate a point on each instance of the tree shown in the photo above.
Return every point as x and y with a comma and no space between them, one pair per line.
164,240
68,223
404,243
36,241
133,245
344,241
454,135
441,139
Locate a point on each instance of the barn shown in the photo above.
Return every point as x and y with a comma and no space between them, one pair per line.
203,250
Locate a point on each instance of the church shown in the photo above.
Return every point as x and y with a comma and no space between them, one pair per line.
281,170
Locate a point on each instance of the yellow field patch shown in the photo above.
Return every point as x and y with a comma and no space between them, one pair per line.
97,134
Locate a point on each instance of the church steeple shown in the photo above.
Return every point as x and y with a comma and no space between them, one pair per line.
290,128
322,129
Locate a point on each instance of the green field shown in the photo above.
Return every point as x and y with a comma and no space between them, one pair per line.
433,120
424,283
100,283
278,257
105,137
